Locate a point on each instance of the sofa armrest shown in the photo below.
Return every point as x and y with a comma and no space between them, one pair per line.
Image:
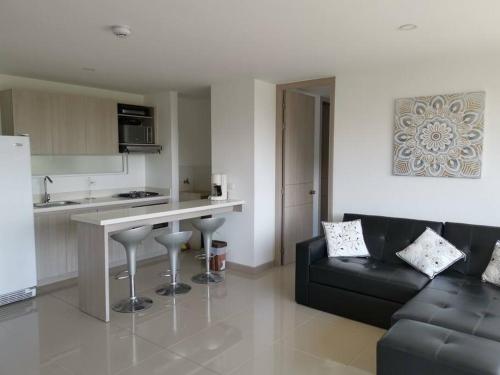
307,252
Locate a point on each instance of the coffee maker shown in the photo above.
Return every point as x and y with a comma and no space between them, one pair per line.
219,187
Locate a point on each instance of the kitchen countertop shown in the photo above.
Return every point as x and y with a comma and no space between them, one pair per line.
132,214
99,202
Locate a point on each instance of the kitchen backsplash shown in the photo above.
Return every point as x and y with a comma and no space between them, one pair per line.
133,177
194,178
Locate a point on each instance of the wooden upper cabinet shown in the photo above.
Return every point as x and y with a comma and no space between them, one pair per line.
68,127
33,114
61,124
101,126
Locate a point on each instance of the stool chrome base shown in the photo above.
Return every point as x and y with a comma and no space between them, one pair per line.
170,290
207,278
130,305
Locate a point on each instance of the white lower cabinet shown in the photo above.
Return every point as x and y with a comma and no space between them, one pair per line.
57,246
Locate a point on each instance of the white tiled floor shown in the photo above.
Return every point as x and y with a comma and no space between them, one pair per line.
246,325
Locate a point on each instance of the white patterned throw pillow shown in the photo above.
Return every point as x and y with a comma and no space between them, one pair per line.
345,239
492,272
431,254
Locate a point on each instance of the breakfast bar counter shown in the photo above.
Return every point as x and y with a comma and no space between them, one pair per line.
93,235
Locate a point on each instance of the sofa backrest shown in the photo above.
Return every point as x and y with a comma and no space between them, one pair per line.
385,236
477,241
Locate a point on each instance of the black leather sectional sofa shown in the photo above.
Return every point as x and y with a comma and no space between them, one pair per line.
434,324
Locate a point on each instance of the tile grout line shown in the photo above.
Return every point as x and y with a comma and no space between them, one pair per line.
165,349
65,369
287,344
312,355
136,365
255,356
281,338
62,300
202,330
269,345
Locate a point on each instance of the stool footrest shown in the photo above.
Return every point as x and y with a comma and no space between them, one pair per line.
203,256
165,274
122,275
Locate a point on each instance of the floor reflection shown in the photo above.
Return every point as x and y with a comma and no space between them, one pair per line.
245,325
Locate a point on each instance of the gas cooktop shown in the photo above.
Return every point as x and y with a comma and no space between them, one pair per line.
138,194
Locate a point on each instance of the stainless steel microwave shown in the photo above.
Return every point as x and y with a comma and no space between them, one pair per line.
135,124
134,133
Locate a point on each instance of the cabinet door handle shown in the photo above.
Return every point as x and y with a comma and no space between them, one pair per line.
312,192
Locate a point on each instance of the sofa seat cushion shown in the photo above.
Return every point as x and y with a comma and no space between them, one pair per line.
393,282
458,302
416,348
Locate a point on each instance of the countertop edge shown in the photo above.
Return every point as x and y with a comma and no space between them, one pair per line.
104,222
112,202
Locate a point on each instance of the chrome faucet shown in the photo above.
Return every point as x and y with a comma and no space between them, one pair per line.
46,196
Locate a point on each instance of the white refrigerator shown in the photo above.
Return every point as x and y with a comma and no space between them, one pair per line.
17,232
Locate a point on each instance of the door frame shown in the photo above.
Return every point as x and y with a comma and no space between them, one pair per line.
280,90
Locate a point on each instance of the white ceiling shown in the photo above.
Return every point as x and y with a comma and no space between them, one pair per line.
189,44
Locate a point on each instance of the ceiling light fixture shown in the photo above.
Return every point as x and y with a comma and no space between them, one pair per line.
407,27
121,31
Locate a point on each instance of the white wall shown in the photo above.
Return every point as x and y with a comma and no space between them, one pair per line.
162,169
264,171
243,147
364,108
135,178
194,143
232,153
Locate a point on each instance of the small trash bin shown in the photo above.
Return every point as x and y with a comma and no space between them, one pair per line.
218,255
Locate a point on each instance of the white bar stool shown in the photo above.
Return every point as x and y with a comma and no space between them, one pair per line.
208,227
173,243
130,239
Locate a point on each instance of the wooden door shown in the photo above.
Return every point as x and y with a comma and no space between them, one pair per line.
298,172
101,126
324,159
69,124
33,114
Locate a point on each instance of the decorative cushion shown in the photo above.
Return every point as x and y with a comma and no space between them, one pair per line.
492,272
345,239
431,254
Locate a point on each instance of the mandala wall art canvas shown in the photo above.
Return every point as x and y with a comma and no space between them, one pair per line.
439,136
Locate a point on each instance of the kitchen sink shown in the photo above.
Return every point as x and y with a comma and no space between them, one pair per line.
54,204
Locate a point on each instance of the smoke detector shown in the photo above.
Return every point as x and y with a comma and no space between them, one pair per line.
121,31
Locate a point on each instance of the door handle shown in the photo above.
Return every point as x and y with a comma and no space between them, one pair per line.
312,192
